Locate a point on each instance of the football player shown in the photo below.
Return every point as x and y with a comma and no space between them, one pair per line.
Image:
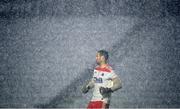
104,82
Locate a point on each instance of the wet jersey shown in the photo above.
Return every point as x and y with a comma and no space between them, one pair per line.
102,77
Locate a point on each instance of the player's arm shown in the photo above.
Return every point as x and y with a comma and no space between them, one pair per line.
91,83
87,86
117,84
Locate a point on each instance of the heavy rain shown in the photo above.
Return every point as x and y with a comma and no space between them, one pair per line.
48,49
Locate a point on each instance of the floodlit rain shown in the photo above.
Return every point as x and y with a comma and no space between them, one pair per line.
48,49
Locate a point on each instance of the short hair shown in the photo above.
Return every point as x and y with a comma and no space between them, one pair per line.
104,53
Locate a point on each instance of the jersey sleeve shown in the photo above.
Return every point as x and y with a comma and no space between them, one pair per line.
91,83
113,74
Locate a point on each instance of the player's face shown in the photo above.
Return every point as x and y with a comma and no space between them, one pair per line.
98,59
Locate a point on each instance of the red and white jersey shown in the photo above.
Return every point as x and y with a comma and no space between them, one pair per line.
102,77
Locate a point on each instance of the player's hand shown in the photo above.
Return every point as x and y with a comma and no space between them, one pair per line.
85,89
104,90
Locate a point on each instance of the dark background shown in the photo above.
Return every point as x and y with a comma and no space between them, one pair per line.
48,48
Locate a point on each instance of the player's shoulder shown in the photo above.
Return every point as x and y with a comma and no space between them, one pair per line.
108,69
